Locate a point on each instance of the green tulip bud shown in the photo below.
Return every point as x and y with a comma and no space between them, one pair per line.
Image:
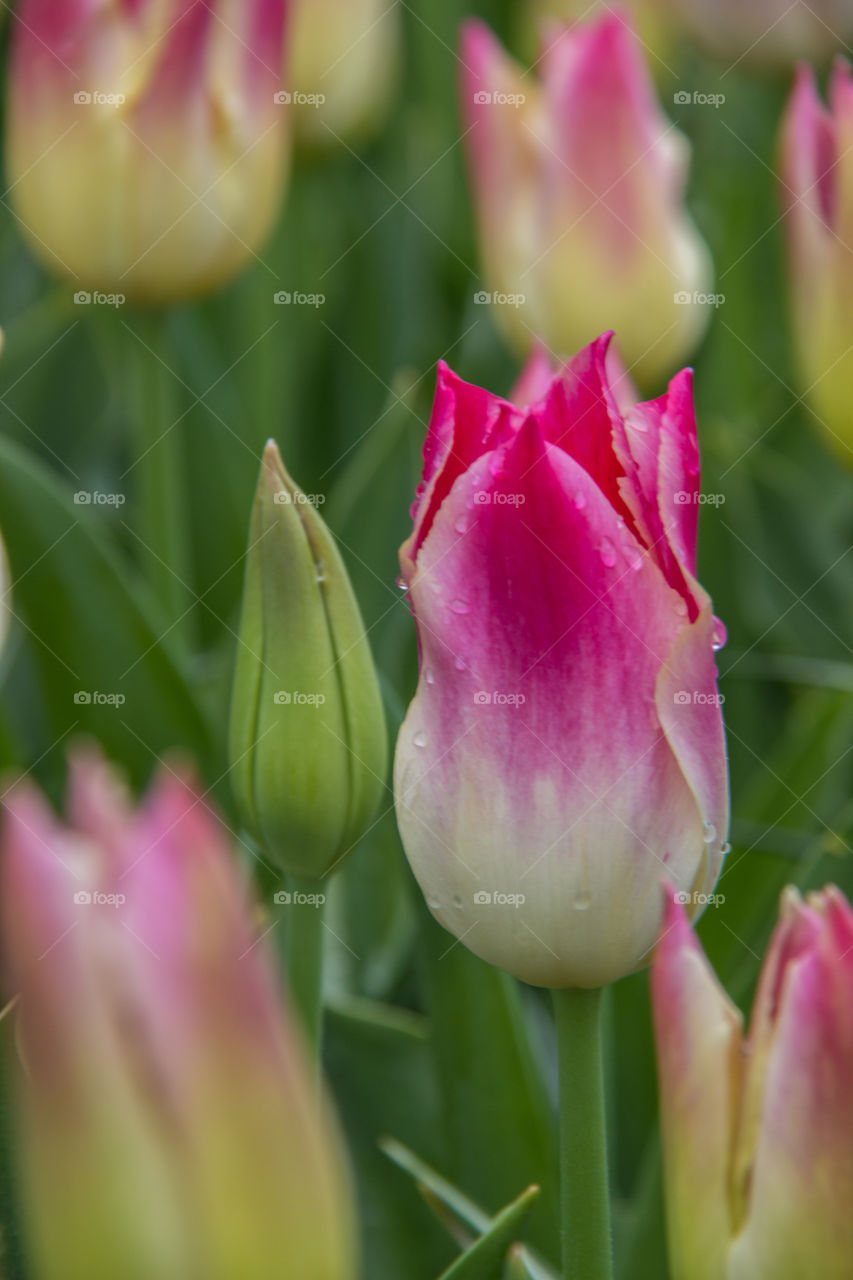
308,740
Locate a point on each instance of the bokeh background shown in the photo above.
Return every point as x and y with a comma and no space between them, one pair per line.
424,1044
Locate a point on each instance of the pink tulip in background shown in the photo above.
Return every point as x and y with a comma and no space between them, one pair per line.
564,753
816,173
578,181
758,1131
168,1123
146,152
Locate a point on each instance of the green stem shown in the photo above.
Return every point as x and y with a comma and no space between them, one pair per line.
158,468
583,1146
304,957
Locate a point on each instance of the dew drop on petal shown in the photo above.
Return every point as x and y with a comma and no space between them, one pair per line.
681,608
460,607
429,675
607,551
710,833
725,849
580,500
461,525
719,635
433,904
401,583
457,901
420,739
459,664
582,900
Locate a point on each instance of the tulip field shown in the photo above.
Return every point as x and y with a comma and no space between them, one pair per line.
426,640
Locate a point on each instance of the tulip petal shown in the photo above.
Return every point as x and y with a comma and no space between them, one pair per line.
698,1036
597,799
801,1180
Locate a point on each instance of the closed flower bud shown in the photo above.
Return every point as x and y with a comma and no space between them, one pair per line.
344,63
169,1124
579,192
308,737
564,752
146,151
817,168
758,1130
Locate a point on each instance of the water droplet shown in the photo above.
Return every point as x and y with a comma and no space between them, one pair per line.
710,833
461,525
401,584
420,739
681,608
719,635
638,423
457,901
433,904
459,664
429,675
321,572
434,585
582,900
725,849
460,606
607,551
580,501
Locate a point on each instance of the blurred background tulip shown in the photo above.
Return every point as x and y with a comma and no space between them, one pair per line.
767,32
758,1132
345,62
564,751
146,150
168,1123
578,182
816,171
652,19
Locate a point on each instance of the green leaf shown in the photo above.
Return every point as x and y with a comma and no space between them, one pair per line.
484,1260
489,1056
464,1219
91,628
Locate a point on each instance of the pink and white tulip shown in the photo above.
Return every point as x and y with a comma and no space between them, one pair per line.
147,154
168,1123
758,1130
564,753
579,190
817,191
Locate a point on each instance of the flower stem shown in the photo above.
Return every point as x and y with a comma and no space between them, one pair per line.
304,960
158,469
585,1201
